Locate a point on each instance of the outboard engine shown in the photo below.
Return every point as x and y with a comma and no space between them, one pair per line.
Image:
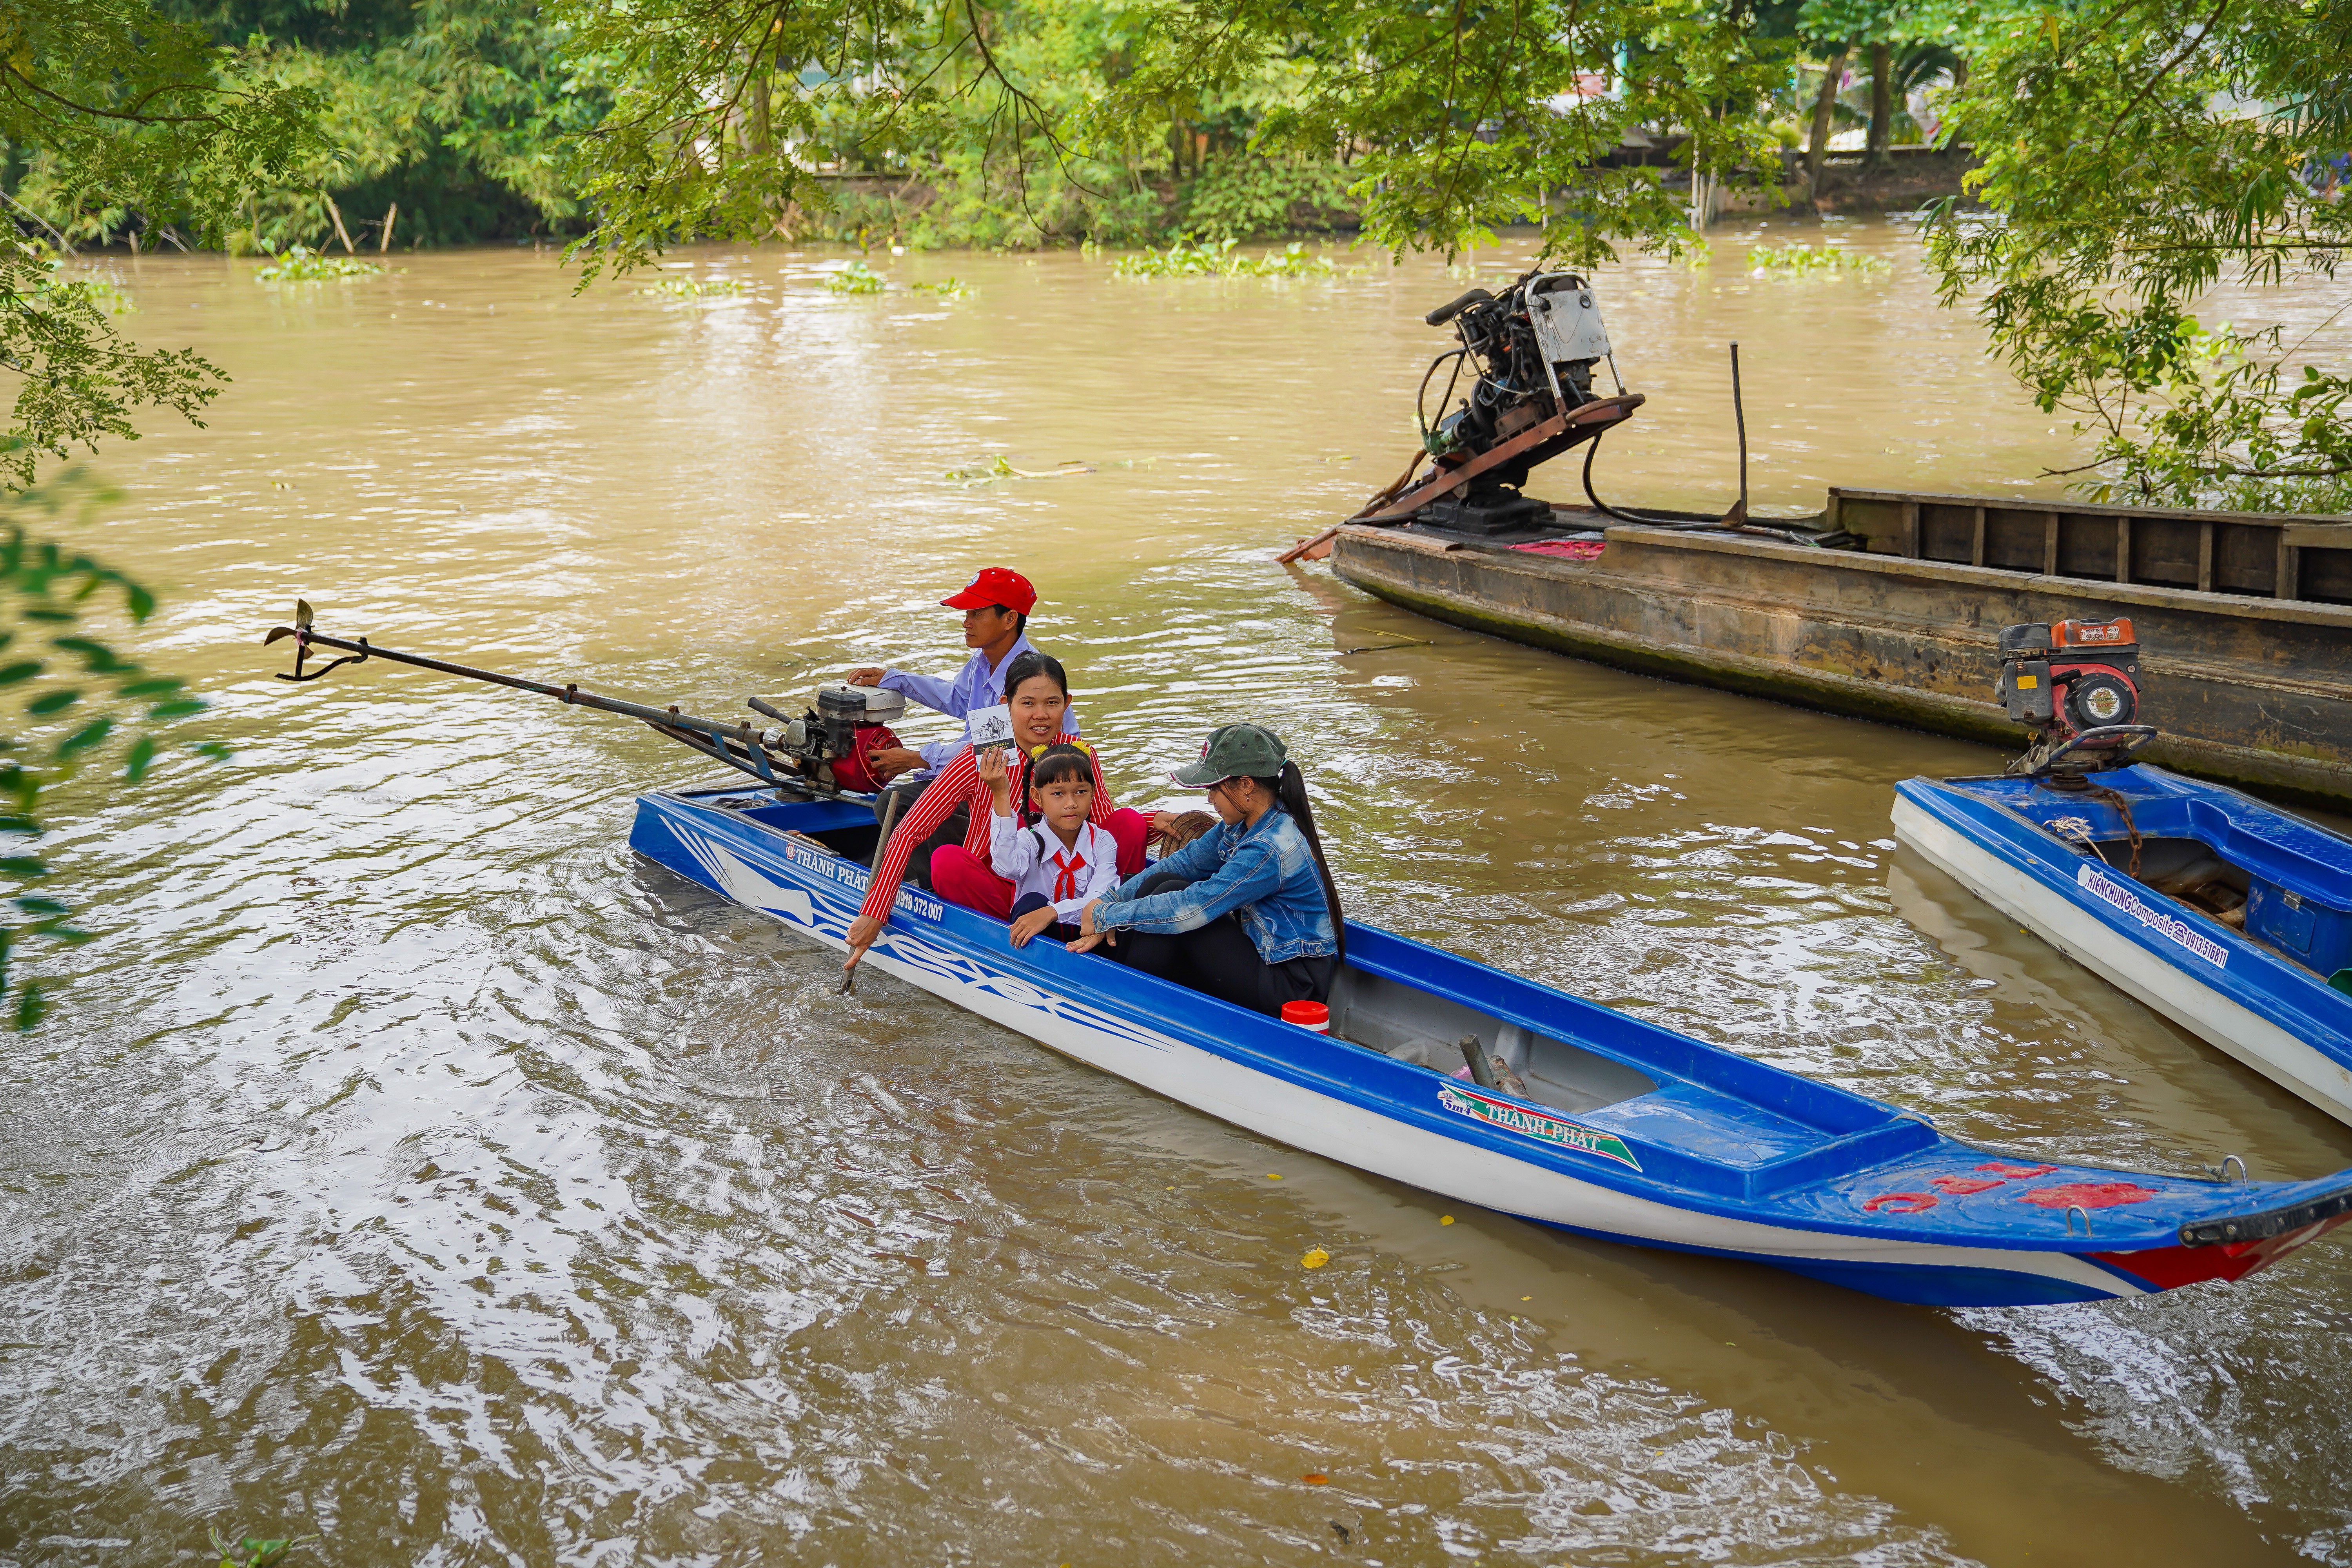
2076,684
846,727
1532,351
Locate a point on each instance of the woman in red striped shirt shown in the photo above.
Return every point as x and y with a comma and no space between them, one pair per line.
1039,693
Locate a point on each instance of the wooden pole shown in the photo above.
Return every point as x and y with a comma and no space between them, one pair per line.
1740,416
1305,546
384,240
337,213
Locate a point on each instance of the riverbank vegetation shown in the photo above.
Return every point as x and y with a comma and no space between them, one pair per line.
2136,154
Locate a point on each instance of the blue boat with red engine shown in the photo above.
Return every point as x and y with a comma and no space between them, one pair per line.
2231,917
1584,1119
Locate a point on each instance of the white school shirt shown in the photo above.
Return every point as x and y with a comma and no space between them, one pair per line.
1033,860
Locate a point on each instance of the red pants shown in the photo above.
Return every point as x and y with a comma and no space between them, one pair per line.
962,878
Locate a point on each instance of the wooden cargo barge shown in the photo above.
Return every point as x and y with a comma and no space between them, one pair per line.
2246,620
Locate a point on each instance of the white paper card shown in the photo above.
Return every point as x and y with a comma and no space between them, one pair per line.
991,727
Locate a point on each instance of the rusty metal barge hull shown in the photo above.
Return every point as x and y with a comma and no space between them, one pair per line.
2251,692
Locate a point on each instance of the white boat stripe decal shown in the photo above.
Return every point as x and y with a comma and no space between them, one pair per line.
2108,890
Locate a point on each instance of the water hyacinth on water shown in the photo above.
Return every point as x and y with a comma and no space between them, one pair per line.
697,288
301,265
856,279
1001,468
1198,258
1811,261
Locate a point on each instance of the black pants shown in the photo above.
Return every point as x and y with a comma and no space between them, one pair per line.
1060,931
1220,960
951,831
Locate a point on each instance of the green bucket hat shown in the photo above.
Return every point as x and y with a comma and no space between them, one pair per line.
1237,751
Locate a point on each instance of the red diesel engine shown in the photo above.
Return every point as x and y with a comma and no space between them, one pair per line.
2070,678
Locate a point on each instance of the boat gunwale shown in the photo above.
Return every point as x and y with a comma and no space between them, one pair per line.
2190,601
2231,831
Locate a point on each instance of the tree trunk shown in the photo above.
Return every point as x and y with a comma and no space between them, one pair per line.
1823,103
1882,104
756,92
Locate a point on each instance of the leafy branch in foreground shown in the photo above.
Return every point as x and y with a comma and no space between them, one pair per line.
116,107
120,105
2137,153
73,700
81,379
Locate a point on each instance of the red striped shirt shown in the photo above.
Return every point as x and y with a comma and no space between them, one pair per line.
959,784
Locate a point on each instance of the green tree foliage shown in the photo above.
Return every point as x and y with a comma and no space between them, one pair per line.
108,107
70,698
1448,118
2136,154
79,379
117,105
453,110
1460,117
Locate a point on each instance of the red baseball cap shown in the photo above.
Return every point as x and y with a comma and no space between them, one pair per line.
995,586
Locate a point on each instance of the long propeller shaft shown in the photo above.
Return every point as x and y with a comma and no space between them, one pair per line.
737,744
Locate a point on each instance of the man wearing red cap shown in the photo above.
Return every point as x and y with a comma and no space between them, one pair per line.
995,624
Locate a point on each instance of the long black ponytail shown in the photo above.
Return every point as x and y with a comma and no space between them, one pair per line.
1289,791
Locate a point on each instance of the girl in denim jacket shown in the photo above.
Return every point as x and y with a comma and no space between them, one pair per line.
1249,913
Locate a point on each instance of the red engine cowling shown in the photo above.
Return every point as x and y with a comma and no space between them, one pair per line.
856,772
2070,677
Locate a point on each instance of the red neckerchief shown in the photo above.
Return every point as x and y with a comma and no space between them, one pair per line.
1065,873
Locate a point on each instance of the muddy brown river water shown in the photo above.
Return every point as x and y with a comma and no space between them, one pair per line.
410,1165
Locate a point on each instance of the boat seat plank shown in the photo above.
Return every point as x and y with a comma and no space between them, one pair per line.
1704,1124
1659,1054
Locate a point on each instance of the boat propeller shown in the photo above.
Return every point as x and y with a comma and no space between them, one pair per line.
300,632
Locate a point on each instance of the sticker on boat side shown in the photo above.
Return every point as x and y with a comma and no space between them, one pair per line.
2108,890
1534,1124
852,876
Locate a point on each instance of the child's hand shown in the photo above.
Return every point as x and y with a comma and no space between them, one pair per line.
989,764
1030,924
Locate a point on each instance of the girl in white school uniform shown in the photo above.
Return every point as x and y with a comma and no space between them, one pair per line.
1056,859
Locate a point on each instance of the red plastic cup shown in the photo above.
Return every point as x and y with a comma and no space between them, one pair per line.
1312,1015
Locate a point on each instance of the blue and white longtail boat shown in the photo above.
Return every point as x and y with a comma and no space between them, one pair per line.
2231,918
2239,916
1627,1131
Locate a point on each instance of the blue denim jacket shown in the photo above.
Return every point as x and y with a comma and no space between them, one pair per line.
1266,872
